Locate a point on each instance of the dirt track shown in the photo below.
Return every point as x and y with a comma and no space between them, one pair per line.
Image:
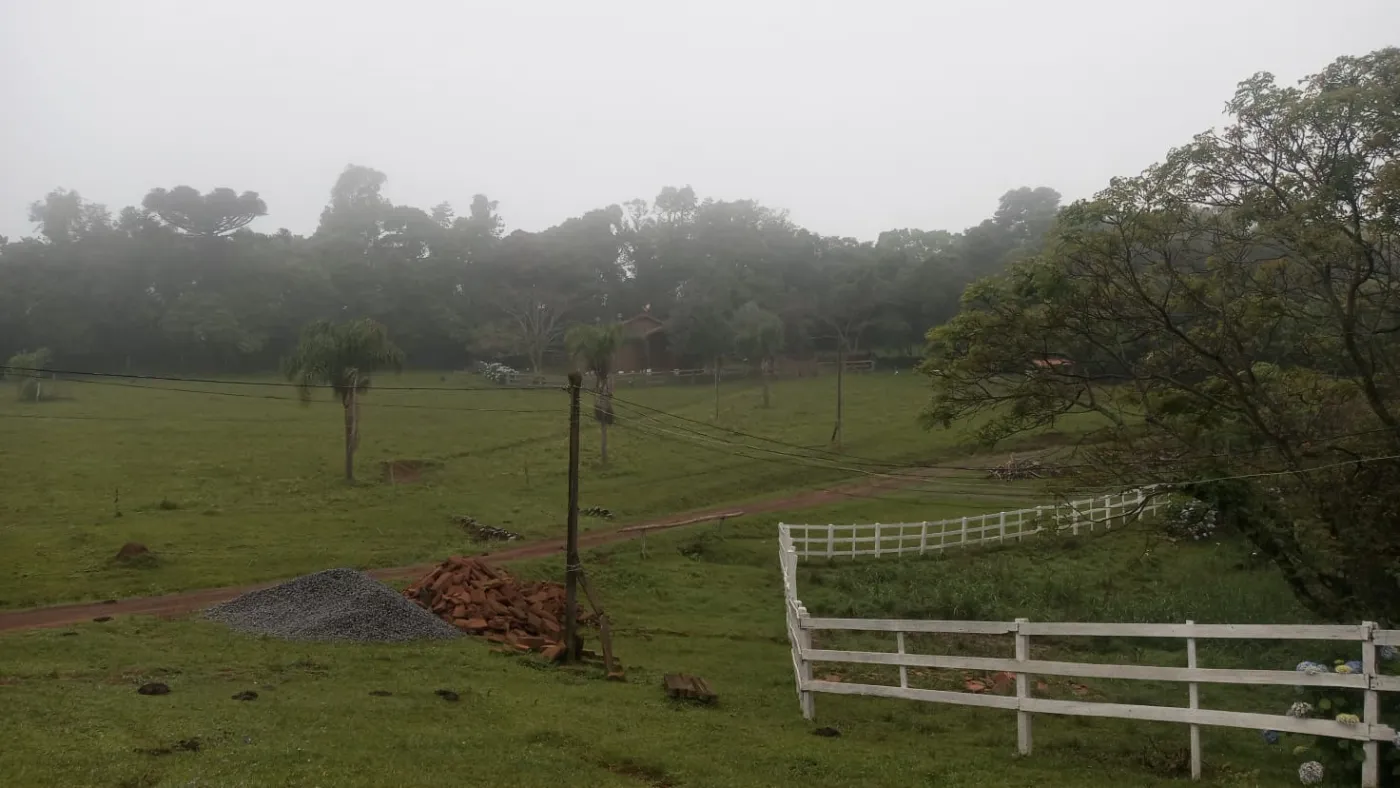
171,605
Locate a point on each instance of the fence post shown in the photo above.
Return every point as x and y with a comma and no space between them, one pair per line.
1195,698
1039,513
1002,537
903,670
853,542
1371,766
830,540
1023,693
804,674
1020,524
877,540
964,532
1107,514
923,536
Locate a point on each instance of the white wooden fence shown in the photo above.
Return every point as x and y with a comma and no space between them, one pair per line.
881,539
795,541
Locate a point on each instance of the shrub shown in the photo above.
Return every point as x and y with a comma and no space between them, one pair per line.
1191,520
25,369
1338,760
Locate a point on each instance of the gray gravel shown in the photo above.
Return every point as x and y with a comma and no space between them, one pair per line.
338,604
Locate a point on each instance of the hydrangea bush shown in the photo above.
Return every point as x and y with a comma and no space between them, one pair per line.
1337,761
496,373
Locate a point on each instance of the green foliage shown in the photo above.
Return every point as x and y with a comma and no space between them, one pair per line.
343,356
26,369
217,213
1225,319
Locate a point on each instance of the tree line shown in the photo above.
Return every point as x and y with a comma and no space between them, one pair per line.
180,282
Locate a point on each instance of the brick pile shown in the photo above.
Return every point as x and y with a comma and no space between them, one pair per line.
480,599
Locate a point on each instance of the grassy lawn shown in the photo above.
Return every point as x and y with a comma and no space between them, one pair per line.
235,489
706,601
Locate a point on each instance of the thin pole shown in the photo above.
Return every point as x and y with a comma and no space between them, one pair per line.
571,559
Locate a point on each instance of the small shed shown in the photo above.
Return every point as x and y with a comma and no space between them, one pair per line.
645,345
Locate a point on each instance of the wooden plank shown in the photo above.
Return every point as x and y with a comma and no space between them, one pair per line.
1202,631
1092,670
911,625
1223,719
1386,637
1385,683
933,696
1024,741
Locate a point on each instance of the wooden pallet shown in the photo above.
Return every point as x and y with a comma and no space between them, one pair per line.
682,687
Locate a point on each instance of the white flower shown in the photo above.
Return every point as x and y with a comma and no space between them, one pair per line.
1310,773
1301,710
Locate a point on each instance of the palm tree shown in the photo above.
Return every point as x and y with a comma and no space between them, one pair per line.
594,348
343,356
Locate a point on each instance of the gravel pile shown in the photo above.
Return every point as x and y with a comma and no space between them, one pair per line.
338,604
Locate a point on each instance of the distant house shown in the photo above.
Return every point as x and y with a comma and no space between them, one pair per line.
645,345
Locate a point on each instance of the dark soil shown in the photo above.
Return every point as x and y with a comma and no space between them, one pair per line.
154,688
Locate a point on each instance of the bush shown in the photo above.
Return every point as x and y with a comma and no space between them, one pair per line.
1191,520
24,368
496,373
1325,758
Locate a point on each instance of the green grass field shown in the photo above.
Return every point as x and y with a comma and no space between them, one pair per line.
236,489
706,601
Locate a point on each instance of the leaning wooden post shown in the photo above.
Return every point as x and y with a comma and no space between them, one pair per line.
571,558
1023,689
1194,695
804,641
1371,766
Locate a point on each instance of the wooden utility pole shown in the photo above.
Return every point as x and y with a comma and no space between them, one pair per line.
716,388
572,565
352,425
840,387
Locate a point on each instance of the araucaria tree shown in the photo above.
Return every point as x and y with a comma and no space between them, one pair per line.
344,357
594,348
1233,316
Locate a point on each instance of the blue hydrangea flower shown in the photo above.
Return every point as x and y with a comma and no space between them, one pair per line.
1355,666
1389,653
1310,773
1270,737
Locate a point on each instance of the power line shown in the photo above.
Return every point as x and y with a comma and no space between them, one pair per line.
278,398
273,384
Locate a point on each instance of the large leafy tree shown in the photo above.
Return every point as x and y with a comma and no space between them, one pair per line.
594,349
345,358
1231,317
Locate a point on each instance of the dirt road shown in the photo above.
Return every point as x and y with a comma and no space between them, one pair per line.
170,605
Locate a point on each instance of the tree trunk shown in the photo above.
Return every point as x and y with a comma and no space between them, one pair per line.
350,442
763,376
352,427
716,388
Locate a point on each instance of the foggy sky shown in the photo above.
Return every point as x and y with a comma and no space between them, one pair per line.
856,116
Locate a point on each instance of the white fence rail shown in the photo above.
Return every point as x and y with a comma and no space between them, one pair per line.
881,539
796,541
